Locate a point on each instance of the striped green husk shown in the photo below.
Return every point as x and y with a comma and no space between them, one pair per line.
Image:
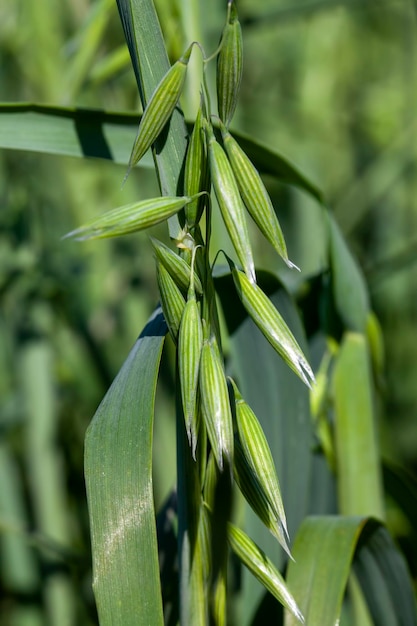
255,495
271,324
204,531
229,66
262,568
210,481
172,300
219,599
160,107
231,205
196,173
255,471
130,218
179,269
190,343
198,610
255,195
215,404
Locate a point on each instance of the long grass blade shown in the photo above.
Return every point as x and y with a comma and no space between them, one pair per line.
118,468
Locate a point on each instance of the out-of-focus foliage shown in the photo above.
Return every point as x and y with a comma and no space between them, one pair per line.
331,84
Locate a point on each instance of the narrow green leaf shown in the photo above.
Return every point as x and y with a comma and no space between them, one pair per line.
83,132
18,567
358,463
263,569
349,289
130,218
385,580
323,552
325,549
118,468
87,41
375,339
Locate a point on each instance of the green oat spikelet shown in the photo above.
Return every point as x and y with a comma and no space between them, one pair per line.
255,195
159,108
130,218
172,300
262,568
255,470
178,267
230,203
190,343
229,66
196,173
215,404
271,324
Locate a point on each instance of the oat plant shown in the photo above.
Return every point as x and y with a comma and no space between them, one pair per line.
222,448
215,427
278,512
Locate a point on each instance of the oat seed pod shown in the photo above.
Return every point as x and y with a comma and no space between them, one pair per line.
219,599
179,269
230,203
172,300
196,174
229,66
215,404
190,343
130,218
160,107
262,568
255,195
271,324
210,480
254,470
204,532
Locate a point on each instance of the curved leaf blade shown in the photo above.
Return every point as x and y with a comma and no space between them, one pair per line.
118,468
384,578
325,549
349,290
83,132
358,463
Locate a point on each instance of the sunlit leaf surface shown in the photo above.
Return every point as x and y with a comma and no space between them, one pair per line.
118,468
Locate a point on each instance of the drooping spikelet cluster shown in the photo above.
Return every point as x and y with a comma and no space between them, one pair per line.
212,405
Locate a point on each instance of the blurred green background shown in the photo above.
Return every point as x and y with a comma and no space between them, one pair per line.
331,85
